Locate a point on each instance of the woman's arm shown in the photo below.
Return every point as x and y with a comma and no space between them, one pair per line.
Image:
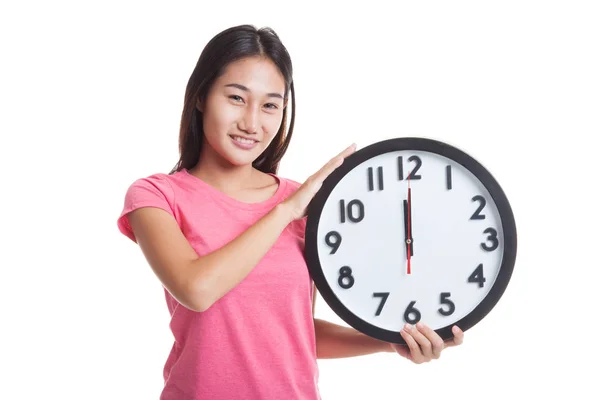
198,282
335,341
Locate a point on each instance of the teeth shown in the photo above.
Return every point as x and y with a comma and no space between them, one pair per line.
243,140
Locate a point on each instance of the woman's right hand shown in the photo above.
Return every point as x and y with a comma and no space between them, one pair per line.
298,202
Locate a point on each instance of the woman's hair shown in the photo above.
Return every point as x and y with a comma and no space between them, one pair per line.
230,45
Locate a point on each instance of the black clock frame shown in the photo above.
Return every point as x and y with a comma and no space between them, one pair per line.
417,144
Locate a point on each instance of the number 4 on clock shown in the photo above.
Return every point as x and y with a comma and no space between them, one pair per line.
477,276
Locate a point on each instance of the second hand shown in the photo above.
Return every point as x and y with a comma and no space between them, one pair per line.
409,240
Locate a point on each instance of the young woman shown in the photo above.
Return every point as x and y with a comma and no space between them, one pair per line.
224,234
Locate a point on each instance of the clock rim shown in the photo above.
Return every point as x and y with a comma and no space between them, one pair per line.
459,156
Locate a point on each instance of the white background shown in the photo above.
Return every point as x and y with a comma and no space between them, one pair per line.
91,96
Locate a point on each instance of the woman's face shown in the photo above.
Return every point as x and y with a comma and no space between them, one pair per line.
246,101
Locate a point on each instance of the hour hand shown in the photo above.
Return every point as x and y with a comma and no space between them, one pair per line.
408,240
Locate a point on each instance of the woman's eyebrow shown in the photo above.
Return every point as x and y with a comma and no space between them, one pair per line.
245,89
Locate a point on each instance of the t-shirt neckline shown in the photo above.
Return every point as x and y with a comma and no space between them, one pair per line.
274,199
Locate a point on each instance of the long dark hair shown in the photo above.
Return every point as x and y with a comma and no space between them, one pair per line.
230,45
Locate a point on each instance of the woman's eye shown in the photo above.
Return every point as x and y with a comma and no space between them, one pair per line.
272,106
236,97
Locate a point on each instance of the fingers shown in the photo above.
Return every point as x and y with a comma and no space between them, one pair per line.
347,151
415,351
335,162
436,342
298,203
459,336
425,344
424,348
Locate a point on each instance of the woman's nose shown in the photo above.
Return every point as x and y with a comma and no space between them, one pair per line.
250,120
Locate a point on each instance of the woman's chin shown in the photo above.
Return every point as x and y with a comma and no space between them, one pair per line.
240,160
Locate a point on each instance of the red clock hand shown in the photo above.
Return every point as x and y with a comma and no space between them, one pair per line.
409,240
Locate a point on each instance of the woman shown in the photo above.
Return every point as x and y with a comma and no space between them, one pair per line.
225,236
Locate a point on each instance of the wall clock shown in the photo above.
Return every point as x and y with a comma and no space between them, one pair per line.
407,230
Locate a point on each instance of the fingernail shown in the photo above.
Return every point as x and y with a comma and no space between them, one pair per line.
407,327
419,325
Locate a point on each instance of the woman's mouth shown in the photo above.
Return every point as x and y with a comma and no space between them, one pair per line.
243,143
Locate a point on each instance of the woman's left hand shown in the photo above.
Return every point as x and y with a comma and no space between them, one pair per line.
423,344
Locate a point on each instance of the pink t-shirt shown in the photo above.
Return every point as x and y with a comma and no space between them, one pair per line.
257,341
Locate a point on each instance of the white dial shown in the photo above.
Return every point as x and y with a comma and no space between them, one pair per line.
388,256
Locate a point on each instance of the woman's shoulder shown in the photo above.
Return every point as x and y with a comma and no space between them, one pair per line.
158,181
152,177
174,178
165,185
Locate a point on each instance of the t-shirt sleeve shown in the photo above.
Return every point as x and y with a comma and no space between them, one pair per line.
152,191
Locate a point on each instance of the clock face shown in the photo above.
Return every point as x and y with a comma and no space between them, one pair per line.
410,230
